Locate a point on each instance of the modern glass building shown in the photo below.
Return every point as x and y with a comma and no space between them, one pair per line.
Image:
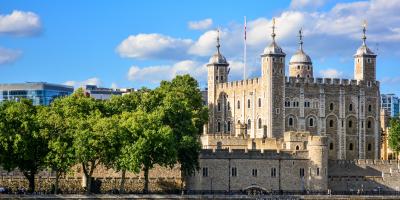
390,102
41,93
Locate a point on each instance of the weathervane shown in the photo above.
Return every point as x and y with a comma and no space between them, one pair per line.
273,30
301,38
364,37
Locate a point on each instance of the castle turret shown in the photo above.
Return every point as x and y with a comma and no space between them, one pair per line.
300,64
217,73
318,168
364,61
273,83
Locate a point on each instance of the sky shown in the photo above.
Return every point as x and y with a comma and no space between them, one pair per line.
131,44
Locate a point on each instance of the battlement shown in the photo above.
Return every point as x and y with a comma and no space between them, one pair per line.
316,140
326,81
240,83
366,162
292,136
253,154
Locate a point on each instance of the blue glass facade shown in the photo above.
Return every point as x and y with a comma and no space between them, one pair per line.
38,93
390,103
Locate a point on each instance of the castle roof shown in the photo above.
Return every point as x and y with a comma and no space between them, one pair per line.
300,56
218,58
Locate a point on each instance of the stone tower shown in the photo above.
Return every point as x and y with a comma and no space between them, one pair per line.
364,62
300,64
273,84
217,73
318,169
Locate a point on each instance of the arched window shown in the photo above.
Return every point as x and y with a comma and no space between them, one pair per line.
350,123
219,127
222,78
229,126
369,124
351,107
369,147
298,66
369,108
331,123
219,145
308,67
248,124
216,78
238,104
331,146
331,106
311,122
259,123
229,105
290,121
219,106
259,102
351,147
297,147
248,103
298,75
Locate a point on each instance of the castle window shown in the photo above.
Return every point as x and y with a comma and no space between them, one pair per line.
273,59
219,145
369,147
308,76
229,106
298,66
205,171
297,147
218,126
351,107
301,172
254,172
273,172
229,126
277,111
248,103
331,146
308,67
362,124
311,122
222,78
259,123
249,124
317,171
281,60
350,123
331,106
298,75
369,60
369,83
234,171
219,106
259,102
216,78
369,108
290,121
238,104
331,123
351,147
369,124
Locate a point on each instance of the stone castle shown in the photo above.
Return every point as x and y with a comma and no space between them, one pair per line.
279,132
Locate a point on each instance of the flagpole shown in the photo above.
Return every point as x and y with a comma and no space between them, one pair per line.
245,49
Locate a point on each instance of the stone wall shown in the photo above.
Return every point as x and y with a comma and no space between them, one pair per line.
366,175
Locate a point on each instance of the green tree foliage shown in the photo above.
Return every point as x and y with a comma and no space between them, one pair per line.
22,146
186,115
394,135
54,127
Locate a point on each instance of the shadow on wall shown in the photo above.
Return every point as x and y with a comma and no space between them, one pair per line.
376,176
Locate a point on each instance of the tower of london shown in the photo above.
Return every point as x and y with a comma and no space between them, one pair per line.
258,109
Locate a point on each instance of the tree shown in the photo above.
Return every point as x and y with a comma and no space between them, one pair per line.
154,143
185,114
394,135
22,146
54,127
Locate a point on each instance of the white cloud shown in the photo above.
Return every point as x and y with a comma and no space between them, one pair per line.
155,74
331,73
154,45
8,55
20,23
200,25
306,4
91,81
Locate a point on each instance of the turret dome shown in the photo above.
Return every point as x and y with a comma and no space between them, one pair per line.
300,57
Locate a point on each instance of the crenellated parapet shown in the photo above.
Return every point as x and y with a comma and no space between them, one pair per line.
253,154
240,83
327,81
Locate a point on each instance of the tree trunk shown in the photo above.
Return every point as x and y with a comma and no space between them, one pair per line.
57,180
182,180
88,183
121,188
146,180
31,179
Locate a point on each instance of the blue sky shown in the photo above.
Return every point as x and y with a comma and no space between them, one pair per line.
139,43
